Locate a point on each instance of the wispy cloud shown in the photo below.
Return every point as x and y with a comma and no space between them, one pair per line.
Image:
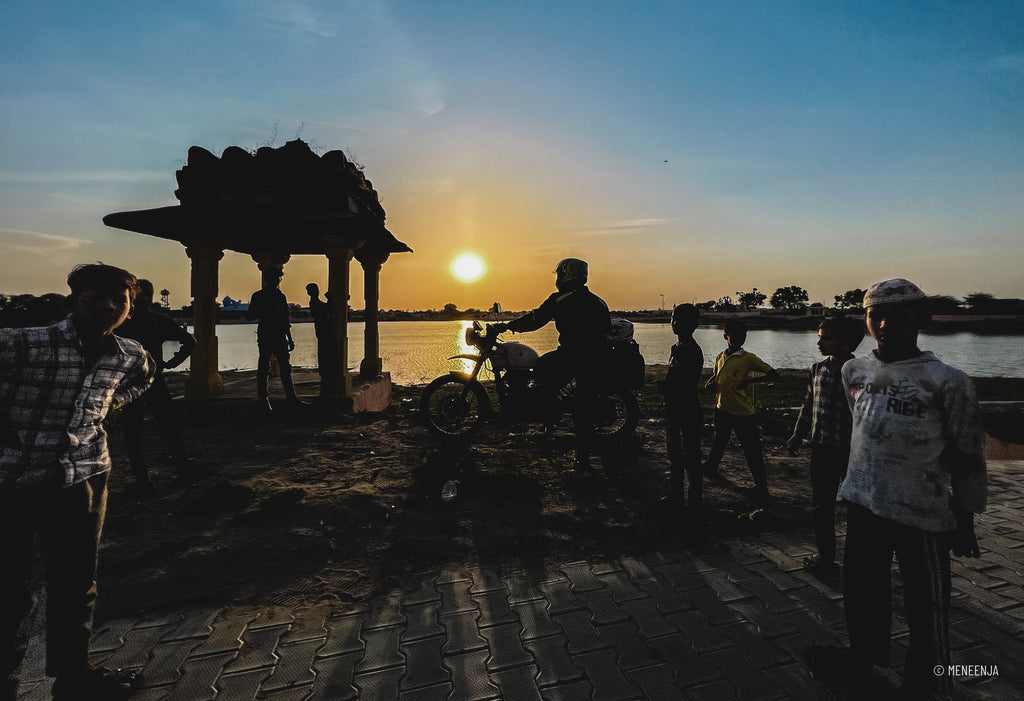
38,244
8,177
627,226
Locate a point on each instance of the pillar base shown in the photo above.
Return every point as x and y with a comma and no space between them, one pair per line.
373,394
204,387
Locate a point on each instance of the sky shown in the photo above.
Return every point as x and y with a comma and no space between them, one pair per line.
687,150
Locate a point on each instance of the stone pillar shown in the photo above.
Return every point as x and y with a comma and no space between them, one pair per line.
338,382
204,377
371,365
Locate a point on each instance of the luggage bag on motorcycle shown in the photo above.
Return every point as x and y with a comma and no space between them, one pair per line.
628,363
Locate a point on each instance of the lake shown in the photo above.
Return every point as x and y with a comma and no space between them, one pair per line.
415,352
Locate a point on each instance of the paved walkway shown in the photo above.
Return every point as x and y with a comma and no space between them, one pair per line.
728,620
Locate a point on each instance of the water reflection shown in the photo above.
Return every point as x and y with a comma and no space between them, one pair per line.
465,365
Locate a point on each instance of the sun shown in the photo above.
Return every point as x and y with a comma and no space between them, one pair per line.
468,267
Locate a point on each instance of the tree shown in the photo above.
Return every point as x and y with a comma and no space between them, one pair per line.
19,311
724,304
944,304
752,299
450,308
791,297
980,302
851,299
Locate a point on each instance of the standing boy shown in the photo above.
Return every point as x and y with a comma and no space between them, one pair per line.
734,410
916,478
269,307
825,420
152,329
57,384
683,415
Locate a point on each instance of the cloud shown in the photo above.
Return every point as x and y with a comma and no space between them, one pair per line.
628,226
98,176
38,244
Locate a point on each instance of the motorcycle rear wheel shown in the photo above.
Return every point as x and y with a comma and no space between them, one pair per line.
616,412
454,406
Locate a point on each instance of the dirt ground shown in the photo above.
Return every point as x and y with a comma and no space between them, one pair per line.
317,506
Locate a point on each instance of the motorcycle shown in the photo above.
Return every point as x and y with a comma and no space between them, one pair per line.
456,405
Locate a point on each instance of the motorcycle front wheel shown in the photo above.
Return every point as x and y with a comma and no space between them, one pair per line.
454,406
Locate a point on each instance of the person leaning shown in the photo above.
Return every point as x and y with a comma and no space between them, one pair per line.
684,417
734,408
152,329
57,384
916,477
825,421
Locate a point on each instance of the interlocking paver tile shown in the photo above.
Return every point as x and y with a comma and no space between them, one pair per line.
679,654
196,624
485,580
426,591
294,665
554,664
297,693
165,661
678,576
725,588
519,683
308,625
343,635
334,676
796,682
604,567
198,676
536,620
605,676
708,605
649,620
769,595
505,647
746,677
573,691
239,687
226,636
581,577
757,649
382,649
657,683
381,684
109,636
494,608
769,625
620,586
461,633
603,609
560,597
521,587
448,575
638,570
469,677
631,649
666,597
783,581
422,621
721,690
138,642
455,597
580,632
258,645
423,663
272,617
829,612
385,612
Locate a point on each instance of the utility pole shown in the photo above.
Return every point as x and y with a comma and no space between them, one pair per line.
662,302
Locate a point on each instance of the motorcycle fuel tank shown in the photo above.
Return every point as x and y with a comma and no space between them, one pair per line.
515,355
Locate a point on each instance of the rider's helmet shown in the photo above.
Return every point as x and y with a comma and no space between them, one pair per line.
571,273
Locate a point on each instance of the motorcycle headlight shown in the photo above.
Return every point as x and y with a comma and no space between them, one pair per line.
472,337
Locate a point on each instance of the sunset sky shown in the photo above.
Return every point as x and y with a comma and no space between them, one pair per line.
685,149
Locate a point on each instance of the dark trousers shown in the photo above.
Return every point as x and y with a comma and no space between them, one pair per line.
280,351
871,542
554,369
828,468
750,440
158,399
683,428
67,524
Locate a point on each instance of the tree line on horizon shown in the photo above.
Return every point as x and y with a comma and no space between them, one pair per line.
22,310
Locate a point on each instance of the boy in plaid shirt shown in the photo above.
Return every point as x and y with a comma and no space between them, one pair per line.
825,418
57,384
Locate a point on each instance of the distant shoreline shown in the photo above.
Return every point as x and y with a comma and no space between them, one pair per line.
960,323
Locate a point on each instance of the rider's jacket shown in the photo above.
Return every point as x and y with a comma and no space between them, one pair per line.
581,317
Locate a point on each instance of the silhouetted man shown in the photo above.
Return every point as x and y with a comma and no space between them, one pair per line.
152,329
321,313
57,384
269,307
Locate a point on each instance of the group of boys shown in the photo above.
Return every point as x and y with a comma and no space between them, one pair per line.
896,434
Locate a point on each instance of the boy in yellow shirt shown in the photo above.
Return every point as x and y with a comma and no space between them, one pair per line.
734,410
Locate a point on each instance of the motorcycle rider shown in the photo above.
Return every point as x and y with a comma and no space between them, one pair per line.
584,332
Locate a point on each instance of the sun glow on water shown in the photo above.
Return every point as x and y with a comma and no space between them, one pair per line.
468,267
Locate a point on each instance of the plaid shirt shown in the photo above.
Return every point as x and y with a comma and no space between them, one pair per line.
825,414
52,406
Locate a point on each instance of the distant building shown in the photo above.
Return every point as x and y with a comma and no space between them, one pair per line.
233,305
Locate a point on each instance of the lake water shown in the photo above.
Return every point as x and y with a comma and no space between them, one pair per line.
416,352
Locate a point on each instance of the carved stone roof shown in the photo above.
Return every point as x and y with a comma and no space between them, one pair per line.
283,200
